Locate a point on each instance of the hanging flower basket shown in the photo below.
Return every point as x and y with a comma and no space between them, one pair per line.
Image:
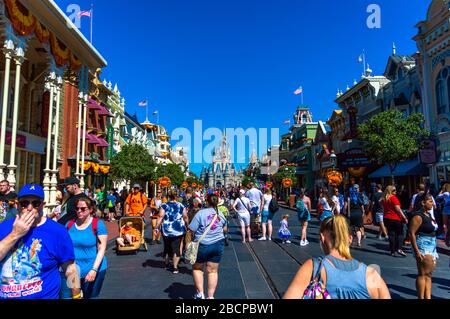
165,182
287,182
334,178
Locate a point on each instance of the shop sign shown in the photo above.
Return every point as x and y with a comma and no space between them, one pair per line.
428,152
21,140
354,158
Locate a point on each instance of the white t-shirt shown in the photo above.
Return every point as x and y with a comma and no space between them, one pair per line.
254,195
240,202
267,200
325,204
335,199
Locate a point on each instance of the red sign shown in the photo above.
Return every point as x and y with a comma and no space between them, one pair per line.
21,140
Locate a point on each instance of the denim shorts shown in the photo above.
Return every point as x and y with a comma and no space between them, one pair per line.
427,246
210,253
326,214
379,217
266,216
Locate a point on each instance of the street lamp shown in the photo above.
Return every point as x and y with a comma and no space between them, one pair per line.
333,159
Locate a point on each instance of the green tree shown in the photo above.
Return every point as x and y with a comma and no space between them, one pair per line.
132,163
247,180
173,171
390,137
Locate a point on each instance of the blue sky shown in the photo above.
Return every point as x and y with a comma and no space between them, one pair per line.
236,63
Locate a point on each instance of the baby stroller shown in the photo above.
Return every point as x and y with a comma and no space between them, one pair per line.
131,235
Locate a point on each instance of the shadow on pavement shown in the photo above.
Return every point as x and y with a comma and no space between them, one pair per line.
180,291
153,263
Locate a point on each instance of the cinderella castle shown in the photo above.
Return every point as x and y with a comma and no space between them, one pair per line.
222,172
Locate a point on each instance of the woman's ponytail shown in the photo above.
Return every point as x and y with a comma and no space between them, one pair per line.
338,230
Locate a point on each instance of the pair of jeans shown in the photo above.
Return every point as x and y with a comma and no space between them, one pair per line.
395,233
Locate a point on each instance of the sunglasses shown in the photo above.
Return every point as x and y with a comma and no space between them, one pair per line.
83,209
26,203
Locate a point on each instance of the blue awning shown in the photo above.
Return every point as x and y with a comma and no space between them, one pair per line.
406,168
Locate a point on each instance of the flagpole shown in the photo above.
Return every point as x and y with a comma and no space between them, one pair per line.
364,62
92,19
146,110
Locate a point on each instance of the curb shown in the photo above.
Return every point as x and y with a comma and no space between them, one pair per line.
442,249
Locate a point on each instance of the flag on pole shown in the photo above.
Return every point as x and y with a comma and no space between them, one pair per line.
155,113
287,122
299,91
143,103
361,58
85,13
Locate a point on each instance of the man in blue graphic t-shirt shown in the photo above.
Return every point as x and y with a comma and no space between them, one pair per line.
30,268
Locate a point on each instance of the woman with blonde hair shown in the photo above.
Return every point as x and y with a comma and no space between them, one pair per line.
343,276
393,220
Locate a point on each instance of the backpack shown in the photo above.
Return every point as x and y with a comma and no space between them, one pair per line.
355,199
273,206
365,199
300,205
110,204
94,225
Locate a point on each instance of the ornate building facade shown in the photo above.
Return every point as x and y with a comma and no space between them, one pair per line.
433,61
44,82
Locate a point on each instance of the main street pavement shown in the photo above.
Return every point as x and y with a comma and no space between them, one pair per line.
258,270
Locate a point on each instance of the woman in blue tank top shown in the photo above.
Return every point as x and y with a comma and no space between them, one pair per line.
343,276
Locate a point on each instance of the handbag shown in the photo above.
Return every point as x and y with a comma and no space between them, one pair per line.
316,288
192,249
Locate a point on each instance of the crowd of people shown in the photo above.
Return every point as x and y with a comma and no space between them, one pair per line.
62,254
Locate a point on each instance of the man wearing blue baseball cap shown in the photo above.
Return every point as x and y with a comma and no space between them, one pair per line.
30,268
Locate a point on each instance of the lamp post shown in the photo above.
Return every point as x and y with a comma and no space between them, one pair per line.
333,160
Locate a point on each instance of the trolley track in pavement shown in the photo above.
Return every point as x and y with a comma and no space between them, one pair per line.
262,268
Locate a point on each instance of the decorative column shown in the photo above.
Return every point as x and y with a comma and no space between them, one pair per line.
54,181
18,58
49,86
8,50
80,123
83,139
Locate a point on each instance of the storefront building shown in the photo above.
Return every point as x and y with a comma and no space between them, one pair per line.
433,61
44,77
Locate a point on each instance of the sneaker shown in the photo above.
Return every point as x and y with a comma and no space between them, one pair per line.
210,298
262,239
386,238
288,242
306,242
401,253
269,238
175,271
379,237
302,243
199,295
158,242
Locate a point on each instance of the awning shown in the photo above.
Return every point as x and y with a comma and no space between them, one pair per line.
406,168
102,142
104,111
93,105
92,139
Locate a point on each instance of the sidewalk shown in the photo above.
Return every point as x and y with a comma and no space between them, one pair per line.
441,247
